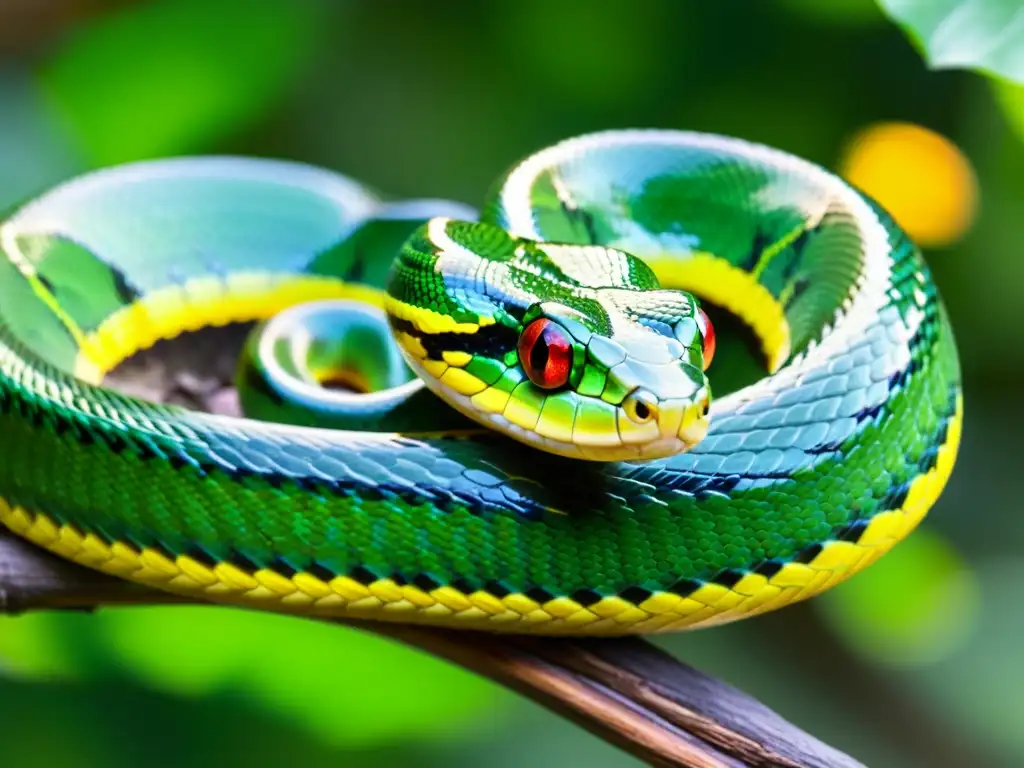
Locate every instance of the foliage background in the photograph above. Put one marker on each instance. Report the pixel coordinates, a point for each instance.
(917, 662)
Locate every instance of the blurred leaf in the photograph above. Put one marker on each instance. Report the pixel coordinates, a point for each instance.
(979, 689)
(1011, 99)
(915, 606)
(172, 76)
(987, 35)
(31, 645)
(347, 687)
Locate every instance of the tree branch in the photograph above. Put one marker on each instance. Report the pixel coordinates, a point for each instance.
(623, 690)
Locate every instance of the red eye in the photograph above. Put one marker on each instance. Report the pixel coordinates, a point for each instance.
(707, 332)
(545, 353)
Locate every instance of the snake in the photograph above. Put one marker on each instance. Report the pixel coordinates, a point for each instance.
(522, 435)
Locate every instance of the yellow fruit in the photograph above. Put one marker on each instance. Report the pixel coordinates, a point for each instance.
(920, 177)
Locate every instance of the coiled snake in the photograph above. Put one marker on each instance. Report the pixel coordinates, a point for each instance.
(557, 464)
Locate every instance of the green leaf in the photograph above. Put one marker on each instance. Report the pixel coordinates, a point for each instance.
(986, 35)
(174, 76)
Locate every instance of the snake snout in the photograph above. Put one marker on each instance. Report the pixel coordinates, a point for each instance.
(694, 427)
(683, 420)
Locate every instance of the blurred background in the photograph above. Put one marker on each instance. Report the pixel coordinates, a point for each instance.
(916, 662)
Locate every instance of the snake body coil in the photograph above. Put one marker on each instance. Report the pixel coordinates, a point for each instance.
(803, 477)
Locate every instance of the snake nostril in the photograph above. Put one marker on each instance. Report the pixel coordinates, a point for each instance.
(641, 407)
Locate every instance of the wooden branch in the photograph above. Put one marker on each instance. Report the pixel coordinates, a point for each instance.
(623, 690)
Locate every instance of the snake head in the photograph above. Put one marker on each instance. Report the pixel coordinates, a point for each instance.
(575, 350)
(623, 369)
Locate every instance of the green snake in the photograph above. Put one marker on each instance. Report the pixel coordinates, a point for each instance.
(535, 448)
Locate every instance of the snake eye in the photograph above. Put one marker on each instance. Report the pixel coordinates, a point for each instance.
(545, 352)
(707, 332)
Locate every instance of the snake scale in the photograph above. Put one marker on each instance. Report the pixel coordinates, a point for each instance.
(558, 463)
